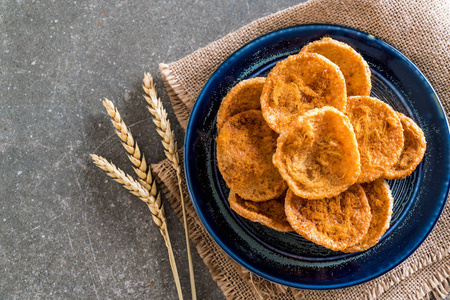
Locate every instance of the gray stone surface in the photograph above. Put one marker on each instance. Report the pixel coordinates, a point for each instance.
(66, 230)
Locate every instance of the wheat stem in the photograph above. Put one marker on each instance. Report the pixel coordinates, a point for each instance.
(162, 123)
(153, 200)
(134, 154)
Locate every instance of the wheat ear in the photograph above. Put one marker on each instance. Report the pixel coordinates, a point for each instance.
(153, 200)
(134, 154)
(171, 150)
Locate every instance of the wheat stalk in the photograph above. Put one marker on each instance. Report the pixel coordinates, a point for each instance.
(134, 154)
(161, 121)
(171, 150)
(153, 200)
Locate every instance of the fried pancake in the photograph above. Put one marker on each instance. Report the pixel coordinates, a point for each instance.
(242, 97)
(355, 69)
(269, 213)
(379, 133)
(318, 154)
(299, 83)
(380, 201)
(245, 147)
(336, 223)
(413, 150)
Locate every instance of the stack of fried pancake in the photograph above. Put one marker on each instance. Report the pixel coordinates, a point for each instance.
(306, 149)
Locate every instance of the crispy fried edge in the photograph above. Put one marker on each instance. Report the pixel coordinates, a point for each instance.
(222, 114)
(363, 177)
(283, 185)
(279, 161)
(268, 112)
(342, 45)
(330, 244)
(366, 244)
(256, 217)
(420, 139)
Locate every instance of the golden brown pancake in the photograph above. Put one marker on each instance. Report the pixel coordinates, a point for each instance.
(269, 213)
(379, 133)
(318, 154)
(299, 83)
(413, 150)
(380, 201)
(336, 223)
(242, 97)
(355, 69)
(245, 147)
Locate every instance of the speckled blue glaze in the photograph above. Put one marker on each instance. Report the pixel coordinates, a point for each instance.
(287, 258)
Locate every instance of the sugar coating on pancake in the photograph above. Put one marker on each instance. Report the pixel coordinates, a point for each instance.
(336, 223)
(269, 213)
(355, 69)
(413, 150)
(299, 83)
(379, 133)
(245, 147)
(318, 154)
(380, 201)
(242, 97)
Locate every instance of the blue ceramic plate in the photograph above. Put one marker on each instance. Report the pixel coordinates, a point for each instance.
(289, 259)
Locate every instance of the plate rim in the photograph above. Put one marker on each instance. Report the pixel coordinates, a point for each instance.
(187, 151)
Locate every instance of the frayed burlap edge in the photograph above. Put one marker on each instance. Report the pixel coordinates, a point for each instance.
(434, 283)
(177, 95)
(438, 285)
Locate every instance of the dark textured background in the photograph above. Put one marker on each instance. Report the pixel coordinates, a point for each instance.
(66, 230)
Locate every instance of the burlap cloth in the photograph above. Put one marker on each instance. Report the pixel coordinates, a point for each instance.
(421, 31)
